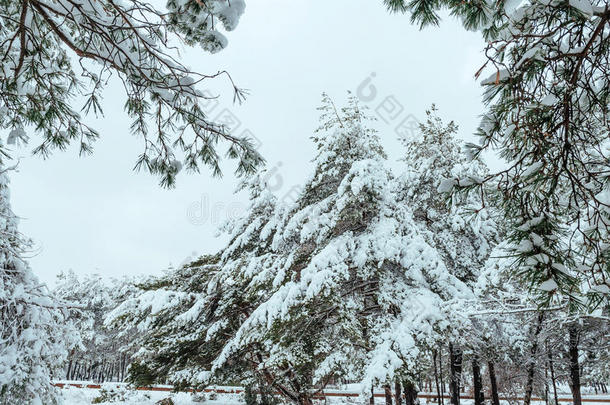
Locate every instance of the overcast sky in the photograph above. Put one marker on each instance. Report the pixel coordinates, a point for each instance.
(94, 214)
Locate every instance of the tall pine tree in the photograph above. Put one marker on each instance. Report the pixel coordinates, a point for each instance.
(338, 285)
(35, 334)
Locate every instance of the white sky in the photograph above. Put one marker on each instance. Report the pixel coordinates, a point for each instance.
(94, 214)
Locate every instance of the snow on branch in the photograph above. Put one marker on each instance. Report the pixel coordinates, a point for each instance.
(54, 51)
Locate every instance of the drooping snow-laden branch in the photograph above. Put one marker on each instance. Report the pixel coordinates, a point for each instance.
(547, 115)
(53, 51)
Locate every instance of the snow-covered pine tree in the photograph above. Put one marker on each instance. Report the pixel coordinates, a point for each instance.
(547, 111)
(547, 116)
(168, 342)
(56, 50)
(35, 335)
(186, 316)
(359, 291)
(460, 228)
(338, 285)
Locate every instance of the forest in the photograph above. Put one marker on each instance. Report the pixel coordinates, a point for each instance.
(465, 272)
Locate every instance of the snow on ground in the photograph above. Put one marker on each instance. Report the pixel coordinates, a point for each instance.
(82, 396)
(121, 395)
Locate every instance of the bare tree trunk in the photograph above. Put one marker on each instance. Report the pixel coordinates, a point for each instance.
(69, 369)
(372, 398)
(440, 369)
(495, 399)
(123, 361)
(531, 368)
(410, 392)
(388, 394)
(574, 365)
(553, 378)
(455, 358)
(397, 393)
(479, 396)
(438, 388)
(305, 400)
(546, 385)
(101, 372)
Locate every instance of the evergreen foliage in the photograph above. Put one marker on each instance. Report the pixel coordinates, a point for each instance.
(547, 102)
(57, 51)
(35, 333)
(341, 285)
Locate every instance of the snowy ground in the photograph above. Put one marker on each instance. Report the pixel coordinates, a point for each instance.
(123, 396)
(81, 396)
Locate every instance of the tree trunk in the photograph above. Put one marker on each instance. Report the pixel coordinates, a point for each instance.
(495, 399)
(531, 368)
(100, 373)
(574, 366)
(69, 369)
(305, 400)
(388, 394)
(372, 398)
(438, 388)
(123, 366)
(455, 358)
(547, 391)
(397, 393)
(477, 383)
(440, 370)
(410, 392)
(553, 379)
